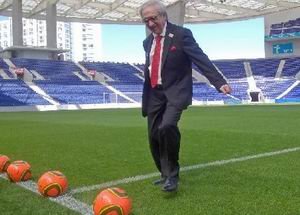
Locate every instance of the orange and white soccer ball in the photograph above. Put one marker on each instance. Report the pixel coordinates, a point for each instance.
(4, 162)
(112, 201)
(18, 171)
(52, 183)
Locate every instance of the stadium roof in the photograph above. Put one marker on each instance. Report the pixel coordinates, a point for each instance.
(126, 11)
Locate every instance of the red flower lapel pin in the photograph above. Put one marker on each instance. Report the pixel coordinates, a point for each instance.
(173, 48)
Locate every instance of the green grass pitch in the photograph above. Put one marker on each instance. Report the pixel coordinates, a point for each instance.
(97, 146)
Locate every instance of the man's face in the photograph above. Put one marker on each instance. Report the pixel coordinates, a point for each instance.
(153, 20)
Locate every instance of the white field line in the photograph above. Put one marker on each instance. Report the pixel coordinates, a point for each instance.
(70, 202)
(65, 200)
(183, 169)
(114, 183)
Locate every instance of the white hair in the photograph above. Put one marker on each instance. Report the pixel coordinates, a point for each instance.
(158, 4)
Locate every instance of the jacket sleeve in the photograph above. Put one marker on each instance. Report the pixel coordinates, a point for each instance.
(146, 83)
(200, 59)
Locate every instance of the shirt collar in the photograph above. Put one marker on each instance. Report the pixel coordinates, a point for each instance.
(163, 33)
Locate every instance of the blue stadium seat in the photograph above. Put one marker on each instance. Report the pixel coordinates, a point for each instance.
(16, 93)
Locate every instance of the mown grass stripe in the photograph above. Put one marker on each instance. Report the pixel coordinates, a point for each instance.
(70, 202)
(183, 169)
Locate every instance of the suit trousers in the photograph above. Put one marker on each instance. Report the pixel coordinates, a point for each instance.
(164, 135)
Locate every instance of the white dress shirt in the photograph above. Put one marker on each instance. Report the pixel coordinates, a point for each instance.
(161, 50)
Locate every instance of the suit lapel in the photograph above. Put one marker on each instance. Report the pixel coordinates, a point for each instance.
(148, 49)
(148, 43)
(167, 43)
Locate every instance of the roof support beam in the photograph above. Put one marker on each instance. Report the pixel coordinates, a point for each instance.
(279, 3)
(5, 5)
(17, 25)
(176, 13)
(51, 24)
(41, 7)
(118, 11)
(117, 4)
(112, 7)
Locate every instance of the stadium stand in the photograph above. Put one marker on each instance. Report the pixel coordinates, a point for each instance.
(119, 72)
(291, 67)
(231, 69)
(17, 93)
(74, 92)
(3, 65)
(264, 67)
(294, 94)
(66, 83)
(285, 29)
(4, 70)
(49, 69)
(273, 88)
(201, 91)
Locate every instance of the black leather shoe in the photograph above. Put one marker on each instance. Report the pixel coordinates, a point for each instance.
(170, 185)
(159, 181)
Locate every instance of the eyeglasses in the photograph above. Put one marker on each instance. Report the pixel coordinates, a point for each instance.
(152, 19)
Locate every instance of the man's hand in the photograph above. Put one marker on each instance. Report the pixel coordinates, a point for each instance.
(226, 89)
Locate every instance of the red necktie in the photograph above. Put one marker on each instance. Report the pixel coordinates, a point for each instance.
(155, 61)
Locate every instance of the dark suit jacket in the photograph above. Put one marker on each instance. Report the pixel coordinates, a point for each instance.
(179, 51)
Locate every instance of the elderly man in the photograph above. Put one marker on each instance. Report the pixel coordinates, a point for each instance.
(170, 51)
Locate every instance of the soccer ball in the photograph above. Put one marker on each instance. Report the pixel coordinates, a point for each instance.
(112, 201)
(18, 171)
(52, 183)
(4, 162)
